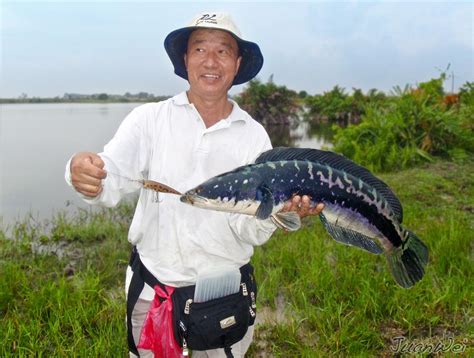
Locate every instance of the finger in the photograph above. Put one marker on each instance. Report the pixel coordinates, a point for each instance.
(99, 164)
(97, 161)
(92, 194)
(305, 206)
(295, 203)
(88, 187)
(89, 190)
(305, 201)
(87, 164)
(96, 167)
(317, 209)
(320, 208)
(85, 179)
(288, 206)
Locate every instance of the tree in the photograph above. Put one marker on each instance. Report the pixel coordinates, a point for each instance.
(302, 94)
(269, 103)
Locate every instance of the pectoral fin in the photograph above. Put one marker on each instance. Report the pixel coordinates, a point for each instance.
(265, 196)
(289, 220)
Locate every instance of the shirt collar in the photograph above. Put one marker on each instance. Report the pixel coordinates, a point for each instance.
(181, 99)
(237, 114)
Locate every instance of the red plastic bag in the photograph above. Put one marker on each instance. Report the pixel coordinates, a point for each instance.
(157, 333)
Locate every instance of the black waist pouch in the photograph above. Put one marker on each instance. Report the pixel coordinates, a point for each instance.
(217, 323)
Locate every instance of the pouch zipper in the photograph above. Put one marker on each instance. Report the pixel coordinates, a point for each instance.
(244, 289)
(251, 311)
(187, 306)
(185, 348)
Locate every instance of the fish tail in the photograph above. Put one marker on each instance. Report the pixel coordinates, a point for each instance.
(407, 262)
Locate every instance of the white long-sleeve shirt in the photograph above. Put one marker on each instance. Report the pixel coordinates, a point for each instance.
(168, 142)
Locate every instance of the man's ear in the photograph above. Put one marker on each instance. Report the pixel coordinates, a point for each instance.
(239, 59)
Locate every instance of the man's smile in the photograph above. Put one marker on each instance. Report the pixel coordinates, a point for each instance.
(211, 76)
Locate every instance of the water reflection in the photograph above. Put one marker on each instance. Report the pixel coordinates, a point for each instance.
(300, 134)
(323, 132)
(281, 134)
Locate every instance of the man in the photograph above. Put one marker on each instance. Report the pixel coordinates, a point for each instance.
(182, 142)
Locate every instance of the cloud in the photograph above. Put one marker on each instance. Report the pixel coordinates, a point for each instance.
(307, 45)
(416, 28)
(10, 20)
(369, 45)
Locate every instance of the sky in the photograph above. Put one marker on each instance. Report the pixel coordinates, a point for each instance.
(49, 48)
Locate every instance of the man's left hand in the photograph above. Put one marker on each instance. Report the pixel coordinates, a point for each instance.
(302, 206)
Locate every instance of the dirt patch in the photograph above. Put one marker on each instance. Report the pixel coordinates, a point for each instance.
(63, 250)
(267, 315)
(267, 318)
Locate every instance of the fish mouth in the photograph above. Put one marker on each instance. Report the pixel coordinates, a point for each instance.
(192, 198)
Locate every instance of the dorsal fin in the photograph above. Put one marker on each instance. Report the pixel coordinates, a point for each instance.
(336, 161)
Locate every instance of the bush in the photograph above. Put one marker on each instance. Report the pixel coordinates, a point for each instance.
(269, 103)
(466, 94)
(338, 107)
(410, 129)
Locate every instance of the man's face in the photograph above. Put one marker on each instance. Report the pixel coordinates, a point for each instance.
(212, 61)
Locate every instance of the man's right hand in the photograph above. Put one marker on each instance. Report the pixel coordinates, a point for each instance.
(87, 173)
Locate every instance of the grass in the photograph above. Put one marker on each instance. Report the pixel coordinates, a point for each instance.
(316, 297)
(68, 300)
(342, 301)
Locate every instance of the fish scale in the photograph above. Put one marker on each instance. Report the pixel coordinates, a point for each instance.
(331, 189)
(360, 210)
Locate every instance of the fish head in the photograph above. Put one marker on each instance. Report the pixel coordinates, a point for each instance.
(230, 193)
(194, 198)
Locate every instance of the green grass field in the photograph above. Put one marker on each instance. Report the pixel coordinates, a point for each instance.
(61, 286)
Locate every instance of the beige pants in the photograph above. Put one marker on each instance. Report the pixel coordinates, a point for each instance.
(138, 317)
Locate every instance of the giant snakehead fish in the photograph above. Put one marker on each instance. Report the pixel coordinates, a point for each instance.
(359, 209)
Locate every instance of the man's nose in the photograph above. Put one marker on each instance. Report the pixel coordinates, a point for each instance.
(211, 59)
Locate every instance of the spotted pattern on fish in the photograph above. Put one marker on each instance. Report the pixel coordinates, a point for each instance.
(338, 186)
(310, 170)
(297, 167)
(360, 209)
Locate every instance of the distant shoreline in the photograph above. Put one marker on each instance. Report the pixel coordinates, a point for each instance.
(53, 100)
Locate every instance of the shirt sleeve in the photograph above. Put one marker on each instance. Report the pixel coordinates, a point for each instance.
(248, 228)
(125, 158)
(251, 230)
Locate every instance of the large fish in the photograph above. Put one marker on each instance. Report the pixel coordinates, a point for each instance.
(359, 209)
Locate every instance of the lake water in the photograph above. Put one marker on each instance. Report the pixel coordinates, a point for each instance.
(36, 141)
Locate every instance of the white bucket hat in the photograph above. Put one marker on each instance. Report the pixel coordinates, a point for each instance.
(176, 44)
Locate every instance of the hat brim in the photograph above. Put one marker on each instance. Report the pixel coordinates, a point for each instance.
(176, 44)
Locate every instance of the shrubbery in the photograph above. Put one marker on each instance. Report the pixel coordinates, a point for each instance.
(269, 103)
(415, 125)
(379, 131)
(340, 108)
